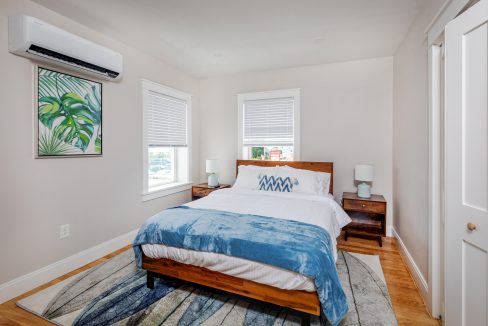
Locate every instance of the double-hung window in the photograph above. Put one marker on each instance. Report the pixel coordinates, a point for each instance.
(269, 125)
(166, 119)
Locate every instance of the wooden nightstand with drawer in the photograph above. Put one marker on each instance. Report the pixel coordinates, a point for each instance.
(202, 190)
(368, 215)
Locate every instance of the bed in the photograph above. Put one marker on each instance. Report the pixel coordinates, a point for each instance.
(257, 278)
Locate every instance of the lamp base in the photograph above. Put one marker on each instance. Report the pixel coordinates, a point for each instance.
(213, 180)
(364, 190)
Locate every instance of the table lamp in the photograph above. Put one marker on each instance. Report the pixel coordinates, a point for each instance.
(364, 173)
(212, 168)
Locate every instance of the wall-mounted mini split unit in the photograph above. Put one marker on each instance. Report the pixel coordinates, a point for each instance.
(32, 38)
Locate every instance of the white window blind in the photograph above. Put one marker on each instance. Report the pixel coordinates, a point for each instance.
(268, 122)
(166, 120)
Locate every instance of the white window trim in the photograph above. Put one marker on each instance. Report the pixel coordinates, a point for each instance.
(166, 190)
(293, 92)
(175, 187)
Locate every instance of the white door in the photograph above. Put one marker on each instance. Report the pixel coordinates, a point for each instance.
(466, 162)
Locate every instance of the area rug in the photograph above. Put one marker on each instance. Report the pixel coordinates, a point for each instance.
(115, 293)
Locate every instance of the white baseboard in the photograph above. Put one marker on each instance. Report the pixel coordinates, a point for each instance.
(27, 282)
(419, 279)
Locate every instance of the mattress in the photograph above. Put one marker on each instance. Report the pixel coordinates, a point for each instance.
(322, 211)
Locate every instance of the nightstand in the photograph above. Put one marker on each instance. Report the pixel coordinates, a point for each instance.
(368, 215)
(202, 190)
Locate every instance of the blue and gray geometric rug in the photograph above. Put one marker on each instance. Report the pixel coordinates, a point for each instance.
(115, 293)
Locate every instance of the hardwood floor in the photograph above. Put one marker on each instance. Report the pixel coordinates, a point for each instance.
(12, 315)
(408, 305)
(407, 302)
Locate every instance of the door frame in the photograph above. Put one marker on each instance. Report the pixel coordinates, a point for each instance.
(435, 302)
(435, 40)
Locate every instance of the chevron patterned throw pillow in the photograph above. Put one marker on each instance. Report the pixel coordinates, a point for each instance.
(274, 183)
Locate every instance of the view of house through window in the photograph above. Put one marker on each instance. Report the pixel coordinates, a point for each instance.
(273, 153)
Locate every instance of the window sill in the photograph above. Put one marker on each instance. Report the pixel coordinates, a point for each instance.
(166, 190)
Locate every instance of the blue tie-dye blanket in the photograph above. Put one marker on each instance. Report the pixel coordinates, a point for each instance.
(295, 246)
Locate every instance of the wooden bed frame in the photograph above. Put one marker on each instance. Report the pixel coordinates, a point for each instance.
(307, 303)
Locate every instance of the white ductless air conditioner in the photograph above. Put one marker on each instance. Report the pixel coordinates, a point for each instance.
(32, 38)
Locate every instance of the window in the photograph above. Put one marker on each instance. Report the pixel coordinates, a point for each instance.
(166, 119)
(269, 124)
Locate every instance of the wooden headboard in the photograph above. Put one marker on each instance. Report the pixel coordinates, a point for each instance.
(312, 166)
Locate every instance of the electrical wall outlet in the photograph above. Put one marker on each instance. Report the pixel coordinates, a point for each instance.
(64, 231)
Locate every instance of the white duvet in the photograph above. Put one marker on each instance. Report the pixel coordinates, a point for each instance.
(322, 211)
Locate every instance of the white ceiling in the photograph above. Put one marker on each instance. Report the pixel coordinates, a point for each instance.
(216, 37)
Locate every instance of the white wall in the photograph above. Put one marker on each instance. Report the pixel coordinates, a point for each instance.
(99, 197)
(411, 138)
(346, 118)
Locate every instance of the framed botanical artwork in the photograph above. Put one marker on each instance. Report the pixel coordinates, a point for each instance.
(69, 115)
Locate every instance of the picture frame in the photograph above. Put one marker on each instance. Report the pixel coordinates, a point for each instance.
(68, 115)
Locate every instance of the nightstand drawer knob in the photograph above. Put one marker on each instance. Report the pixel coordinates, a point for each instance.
(364, 205)
(471, 226)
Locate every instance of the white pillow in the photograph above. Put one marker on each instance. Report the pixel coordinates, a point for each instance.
(248, 176)
(311, 182)
(301, 183)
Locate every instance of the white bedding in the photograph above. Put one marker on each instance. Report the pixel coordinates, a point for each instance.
(322, 211)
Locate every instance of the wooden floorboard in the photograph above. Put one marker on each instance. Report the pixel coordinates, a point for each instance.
(10, 314)
(407, 303)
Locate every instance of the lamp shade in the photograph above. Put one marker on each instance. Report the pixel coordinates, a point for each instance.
(363, 172)
(212, 166)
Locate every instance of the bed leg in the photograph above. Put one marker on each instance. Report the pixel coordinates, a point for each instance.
(306, 320)
(150, 280)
